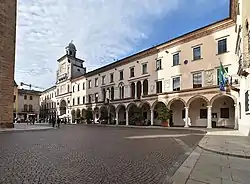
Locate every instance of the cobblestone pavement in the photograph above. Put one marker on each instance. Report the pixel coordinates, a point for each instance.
(81, 154)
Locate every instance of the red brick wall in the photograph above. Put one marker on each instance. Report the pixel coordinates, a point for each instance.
(7, 60)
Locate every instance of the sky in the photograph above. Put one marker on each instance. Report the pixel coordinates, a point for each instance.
(102, 30)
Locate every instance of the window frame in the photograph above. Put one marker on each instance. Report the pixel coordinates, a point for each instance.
(196, 57)
(198, 85)
(111, 76)
(96, 82)
(89, 84)
(144, 66)
(132, 72)
(173, 80)
(121, 75)
(174, 59)
(222, 48)
(158, 64)
(159, 87)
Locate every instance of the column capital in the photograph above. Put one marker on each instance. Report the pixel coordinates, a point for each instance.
(235, 105)
(186, 107)
(209, 106)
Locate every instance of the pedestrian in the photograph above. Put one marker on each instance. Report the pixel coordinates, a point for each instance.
(58, 122)
(53, 121)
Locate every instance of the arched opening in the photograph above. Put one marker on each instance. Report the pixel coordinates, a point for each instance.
(112, 115)
(62, 107)
(96, 115)
(121, 90)
(146, 113)
(178, 113)
(78, 115)
(104, 115)
(112, 93)
(83, 114)
(138, 89)
(157, 106)
(223, 112)
(73, 115)
(132, 86)
(89, 115)
(145, 87)
(103, 94)
(198, 111)
(121, 109)
(134, 114)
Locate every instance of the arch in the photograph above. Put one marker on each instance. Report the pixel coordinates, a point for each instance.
(156, 102)
(221, 95)
(119, 107)
(145, 87)
(176, 99)
(130, 105)
(196, 97)
(144, 103)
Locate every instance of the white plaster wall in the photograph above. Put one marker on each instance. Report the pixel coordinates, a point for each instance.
(194, 113)
(224, 102)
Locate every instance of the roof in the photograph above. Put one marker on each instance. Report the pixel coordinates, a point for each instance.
(49, 89)
(29, 92)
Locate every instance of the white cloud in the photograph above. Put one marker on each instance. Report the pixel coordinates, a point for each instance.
(101, 30)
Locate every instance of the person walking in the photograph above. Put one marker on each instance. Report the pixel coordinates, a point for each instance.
(53, 121)
(58, 122)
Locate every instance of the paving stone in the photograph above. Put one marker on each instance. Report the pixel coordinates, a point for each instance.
(241, 176)
(82, 154)
(190, 181)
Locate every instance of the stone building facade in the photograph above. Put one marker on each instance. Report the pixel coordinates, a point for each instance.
(7, 60)
(181, 74)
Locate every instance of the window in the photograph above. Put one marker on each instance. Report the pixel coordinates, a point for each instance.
(78, 100)
(197, 80)
(176, 83)
(96, 82)
(203, 113)
(89, 83)
(121, 75)
(224, 113)
(103, 79)
(25, 97)
(247, 101)
(218, 75)
(83, 100)
(158, 64)
(121, 91)
(25, 108)
(222, 46)
(132, 72)
(73, 101)
(196, 53)
(14, 98)
(78, 87)
(73, 89)
(83, 86)
(112, 93)
(176, 59)
(31, 97)
(144, 68)
(159, 87)
(30, 108)
(89, 98)
(111, 77)
(96, 97)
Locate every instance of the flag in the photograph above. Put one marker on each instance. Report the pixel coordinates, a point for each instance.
(223, 77)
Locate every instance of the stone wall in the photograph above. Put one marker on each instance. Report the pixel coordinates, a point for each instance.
(7, 60)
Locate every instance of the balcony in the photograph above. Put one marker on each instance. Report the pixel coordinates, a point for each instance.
(62, 77)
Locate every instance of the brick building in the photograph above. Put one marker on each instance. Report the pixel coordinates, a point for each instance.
(7, 60)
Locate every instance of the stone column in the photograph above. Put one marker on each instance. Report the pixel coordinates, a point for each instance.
(186, 117)
(152, 116)
(209, 116)
(126, 117)
(236, 117)
(135, 90)
(117, 117)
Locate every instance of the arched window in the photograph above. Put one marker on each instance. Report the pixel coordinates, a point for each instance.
(121, 90)
(25, 108)
(145, 87)
(132, 87)
(30, 108)
(112, 93)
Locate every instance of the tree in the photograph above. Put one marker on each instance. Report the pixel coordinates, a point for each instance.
(164, 114)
